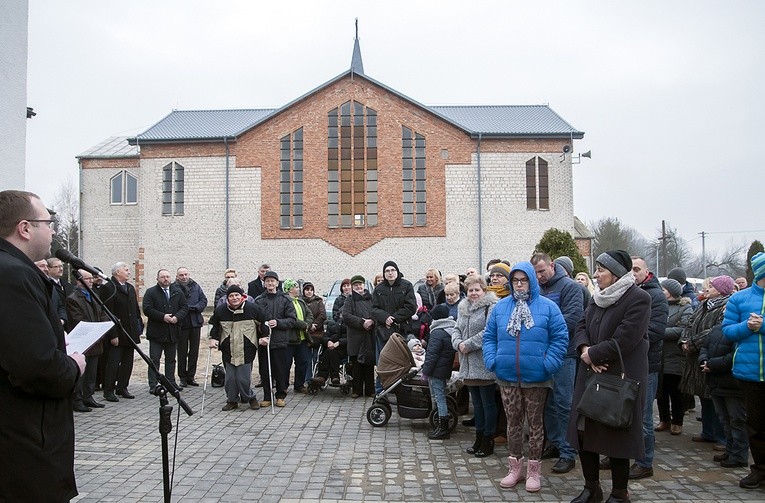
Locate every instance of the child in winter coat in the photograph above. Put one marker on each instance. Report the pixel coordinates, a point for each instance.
(418, 352)
(439, 359)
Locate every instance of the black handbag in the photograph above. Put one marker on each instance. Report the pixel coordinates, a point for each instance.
(218, 377)
(609, 399)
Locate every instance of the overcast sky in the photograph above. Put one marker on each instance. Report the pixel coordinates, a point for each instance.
(669, 94)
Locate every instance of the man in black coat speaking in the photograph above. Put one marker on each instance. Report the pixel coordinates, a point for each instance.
(37, 377)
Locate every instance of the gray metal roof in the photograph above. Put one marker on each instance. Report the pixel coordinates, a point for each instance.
(116, 146)
(196, 125)
(510, 120)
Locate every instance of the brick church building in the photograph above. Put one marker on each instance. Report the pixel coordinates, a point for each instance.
(334, 183)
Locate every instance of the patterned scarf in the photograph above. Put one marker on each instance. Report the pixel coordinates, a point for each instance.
(610, 294)
(521, 314)
(716, 302)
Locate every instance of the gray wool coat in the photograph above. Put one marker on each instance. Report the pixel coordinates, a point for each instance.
(471, 323)
(673, 358)
(625, 323)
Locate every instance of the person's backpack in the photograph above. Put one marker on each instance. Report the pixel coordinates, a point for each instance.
(218, 377)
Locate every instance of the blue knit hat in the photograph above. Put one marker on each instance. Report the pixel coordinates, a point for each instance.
(758, 266)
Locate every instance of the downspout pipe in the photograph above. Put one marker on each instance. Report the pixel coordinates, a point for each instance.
(480, 207)
(228, 258)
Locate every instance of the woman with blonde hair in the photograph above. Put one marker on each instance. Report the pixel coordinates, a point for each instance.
(584, 279)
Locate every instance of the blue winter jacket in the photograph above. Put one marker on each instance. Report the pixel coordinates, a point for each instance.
(567, 295)
(537, 353)
(749, 358)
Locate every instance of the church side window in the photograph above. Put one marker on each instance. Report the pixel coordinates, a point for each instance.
(291, 181)
(172, 189)
(123, 189)
(537, 185)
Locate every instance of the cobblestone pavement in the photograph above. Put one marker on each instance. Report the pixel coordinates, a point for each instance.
(321, 448)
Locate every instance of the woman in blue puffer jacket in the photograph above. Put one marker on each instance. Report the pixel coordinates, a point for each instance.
(524, 344)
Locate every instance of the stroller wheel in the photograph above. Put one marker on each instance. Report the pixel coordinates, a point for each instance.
(378, 415)
(453, 417)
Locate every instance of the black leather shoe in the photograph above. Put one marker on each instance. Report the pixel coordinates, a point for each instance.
(93, 404)
(640, 472)
(614, 499)
(550, 452)
(564, 465)
(80, 407)
(733, 464)
(109, 396)
(192, 383)
(589, 495)
(754, 480)
(468, 422)
(182, 384)
(125, 394)
(720, 457)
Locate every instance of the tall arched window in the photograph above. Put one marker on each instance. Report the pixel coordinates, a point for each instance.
(537, 184)
(172, 189)
(123, 189)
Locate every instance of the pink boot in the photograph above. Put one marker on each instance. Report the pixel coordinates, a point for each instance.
(514, 475)
(534, 478)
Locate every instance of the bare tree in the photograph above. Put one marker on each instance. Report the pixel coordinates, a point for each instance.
(729, 261)
(679, 253)
(611, 234)
(66, 204)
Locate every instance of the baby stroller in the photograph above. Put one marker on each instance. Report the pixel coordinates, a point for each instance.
(345, 379)
(400, 377)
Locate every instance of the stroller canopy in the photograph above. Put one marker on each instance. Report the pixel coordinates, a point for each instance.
(395, 360)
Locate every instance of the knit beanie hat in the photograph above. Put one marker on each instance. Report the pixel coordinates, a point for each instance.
(678, 275)
(308, 285)
(502, 269)
(289, 284)
(616, 261)
(389, 264)
(674, 288)
(566, 263)
(758, 266)
(439, 312)
(357, 279)
(413, 343)
(234, 289)
(723, 284)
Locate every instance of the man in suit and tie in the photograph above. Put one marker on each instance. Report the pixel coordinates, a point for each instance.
(120, 298)
(165, 306)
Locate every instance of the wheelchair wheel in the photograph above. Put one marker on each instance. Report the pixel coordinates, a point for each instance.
(345, 389)
(312, 390)
(378, 415)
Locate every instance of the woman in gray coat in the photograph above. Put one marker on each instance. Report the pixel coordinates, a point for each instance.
(467, 340)
(618, 314)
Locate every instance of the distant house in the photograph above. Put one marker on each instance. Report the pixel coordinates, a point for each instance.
(334, 183)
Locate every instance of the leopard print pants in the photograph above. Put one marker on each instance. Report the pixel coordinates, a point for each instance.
(529, 403)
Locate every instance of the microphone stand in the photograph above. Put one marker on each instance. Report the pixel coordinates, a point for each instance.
(164, 386)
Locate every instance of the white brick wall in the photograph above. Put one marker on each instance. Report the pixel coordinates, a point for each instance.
(197, 239)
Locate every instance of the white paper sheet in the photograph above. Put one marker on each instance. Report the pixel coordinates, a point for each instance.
(85, 334)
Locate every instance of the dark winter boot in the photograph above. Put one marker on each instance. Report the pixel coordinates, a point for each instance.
(486, 448)
(442, 429)
(476, 444)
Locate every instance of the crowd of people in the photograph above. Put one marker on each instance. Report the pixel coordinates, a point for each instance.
(525, 340)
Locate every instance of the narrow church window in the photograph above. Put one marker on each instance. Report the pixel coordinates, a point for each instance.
(291, 181)
(124, 188)
(172, 189)
(351, 166)
(413, 178)
(537, 184)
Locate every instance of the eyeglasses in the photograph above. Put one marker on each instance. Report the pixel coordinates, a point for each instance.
(49, 221)
(519, 281)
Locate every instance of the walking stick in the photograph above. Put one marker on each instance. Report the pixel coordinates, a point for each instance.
(270, 379)
(204, 388)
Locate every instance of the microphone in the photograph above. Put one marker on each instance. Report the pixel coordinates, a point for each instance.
(77, 263)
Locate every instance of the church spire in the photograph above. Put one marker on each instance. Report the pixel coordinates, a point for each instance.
(357, 66)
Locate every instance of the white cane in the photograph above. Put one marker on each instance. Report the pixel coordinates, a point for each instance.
(204, 388)
(270, 379)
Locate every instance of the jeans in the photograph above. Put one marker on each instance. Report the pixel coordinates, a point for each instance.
(438, 394)
(484, 408)
(238, 381)
(558, 408)
(648, 435)
(711, 429)
(732, 414)
(301, 354)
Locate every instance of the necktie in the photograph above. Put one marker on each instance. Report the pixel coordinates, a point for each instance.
(167, 293)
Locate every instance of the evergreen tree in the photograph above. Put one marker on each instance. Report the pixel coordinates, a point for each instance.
(557, 243)
(755, 248)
